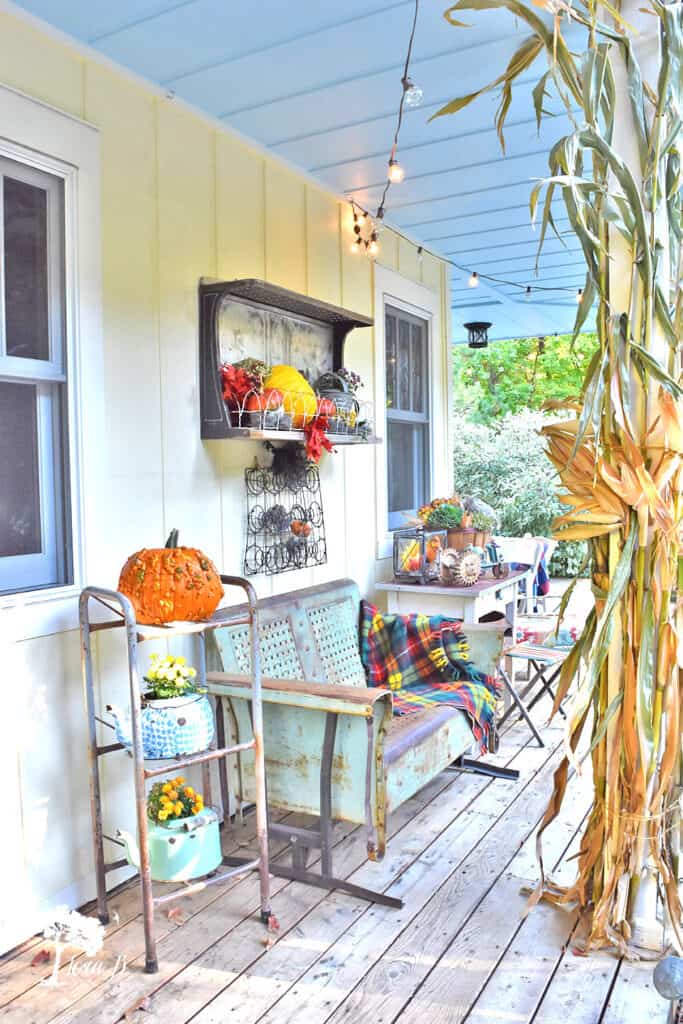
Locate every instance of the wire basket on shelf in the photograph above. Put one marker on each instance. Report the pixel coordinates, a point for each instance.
(295, 410)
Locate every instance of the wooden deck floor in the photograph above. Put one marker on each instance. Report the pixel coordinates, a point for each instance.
(459, 854)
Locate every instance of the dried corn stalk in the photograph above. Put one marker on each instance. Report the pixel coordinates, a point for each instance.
(619, 456)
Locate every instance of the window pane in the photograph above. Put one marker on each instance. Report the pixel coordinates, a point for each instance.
(403, 364)
(417, 368)
(400, 466)
(407, 468)
(26, 279)
(19, 476)
(391, 360)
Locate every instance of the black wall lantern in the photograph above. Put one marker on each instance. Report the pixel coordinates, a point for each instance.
(477, 334)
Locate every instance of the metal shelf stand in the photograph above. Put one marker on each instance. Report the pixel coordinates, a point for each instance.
(123, 616)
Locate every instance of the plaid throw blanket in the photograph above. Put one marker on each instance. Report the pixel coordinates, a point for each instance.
(423, 660)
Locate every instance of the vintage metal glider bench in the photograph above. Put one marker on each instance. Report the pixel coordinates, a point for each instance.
(332, 748)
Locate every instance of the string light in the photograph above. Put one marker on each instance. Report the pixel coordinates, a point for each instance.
(366, 227)
(396, 173)
(413, 93)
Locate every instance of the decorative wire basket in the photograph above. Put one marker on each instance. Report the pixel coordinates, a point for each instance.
(285, 522)
(297, 409)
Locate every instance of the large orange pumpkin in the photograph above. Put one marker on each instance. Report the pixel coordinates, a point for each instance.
(171, 584)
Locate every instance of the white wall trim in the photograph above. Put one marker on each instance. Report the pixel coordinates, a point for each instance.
(394, 289)
(35, 134)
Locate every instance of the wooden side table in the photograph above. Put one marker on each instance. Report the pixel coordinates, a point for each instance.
(468, 604)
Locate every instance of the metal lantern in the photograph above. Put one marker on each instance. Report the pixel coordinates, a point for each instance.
(477, 334)
(417, 554)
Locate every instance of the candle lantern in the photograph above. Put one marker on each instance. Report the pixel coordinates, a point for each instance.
(417, 554)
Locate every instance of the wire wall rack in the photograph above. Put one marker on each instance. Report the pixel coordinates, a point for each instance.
(285, 527)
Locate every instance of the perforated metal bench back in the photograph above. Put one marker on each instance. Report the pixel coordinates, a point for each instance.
(309, 634)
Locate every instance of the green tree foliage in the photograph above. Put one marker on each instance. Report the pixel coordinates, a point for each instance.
(523, 373)
(503, 461)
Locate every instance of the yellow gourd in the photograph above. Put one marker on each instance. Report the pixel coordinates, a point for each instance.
(298, 397)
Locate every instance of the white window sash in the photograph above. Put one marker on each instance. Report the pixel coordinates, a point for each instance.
(52, 185)
(405, 295)
(39, 136)
(46, 567)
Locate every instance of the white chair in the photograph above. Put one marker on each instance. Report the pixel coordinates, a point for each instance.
(527, 551)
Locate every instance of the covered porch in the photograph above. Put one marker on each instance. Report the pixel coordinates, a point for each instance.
(238, 249)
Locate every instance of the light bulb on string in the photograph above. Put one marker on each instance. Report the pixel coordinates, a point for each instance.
(373, 247)
(579, 295)
(527, 293)
(396, 174)
(474, 280)
(413, 93)
(355, 246)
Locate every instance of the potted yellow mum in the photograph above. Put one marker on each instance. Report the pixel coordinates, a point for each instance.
(183, 835)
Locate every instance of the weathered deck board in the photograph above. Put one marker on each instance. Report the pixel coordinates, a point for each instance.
(462, 970)
(524, 971)
(440, 887)
(16, 973)
(201, 981)
(137, 985)
(579, 989)
(460, 950)
(634, 996)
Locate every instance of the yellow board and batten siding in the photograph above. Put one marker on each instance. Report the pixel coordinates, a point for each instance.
(182, 199)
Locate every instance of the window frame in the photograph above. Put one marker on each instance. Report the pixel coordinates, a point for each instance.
(397, 519)
(49, 378)
(39, 137)
(393, 289)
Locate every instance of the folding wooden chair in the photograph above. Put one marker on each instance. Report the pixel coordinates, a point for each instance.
(545, 664)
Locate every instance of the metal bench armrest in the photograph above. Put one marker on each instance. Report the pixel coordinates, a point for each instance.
(348, 700)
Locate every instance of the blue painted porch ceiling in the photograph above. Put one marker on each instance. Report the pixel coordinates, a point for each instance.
(319, 83)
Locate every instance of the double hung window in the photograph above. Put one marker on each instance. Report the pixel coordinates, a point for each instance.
(35, 541)
(407, 414)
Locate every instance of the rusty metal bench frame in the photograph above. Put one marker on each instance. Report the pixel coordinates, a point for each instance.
(326, 743)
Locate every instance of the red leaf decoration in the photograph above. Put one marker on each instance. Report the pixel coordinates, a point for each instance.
(316, 438)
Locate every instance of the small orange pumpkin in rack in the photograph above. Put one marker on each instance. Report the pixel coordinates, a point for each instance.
(171, 584)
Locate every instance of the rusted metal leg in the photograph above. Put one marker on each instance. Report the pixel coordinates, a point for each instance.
(300, 852)
(369, 824)
(93, 765)
(151, 963)
(260, 794)
(326, 793)
(223, 762)
(206, 767)
(239, 802)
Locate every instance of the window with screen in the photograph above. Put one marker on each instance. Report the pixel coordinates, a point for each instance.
(34, 536)
(407, 415)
